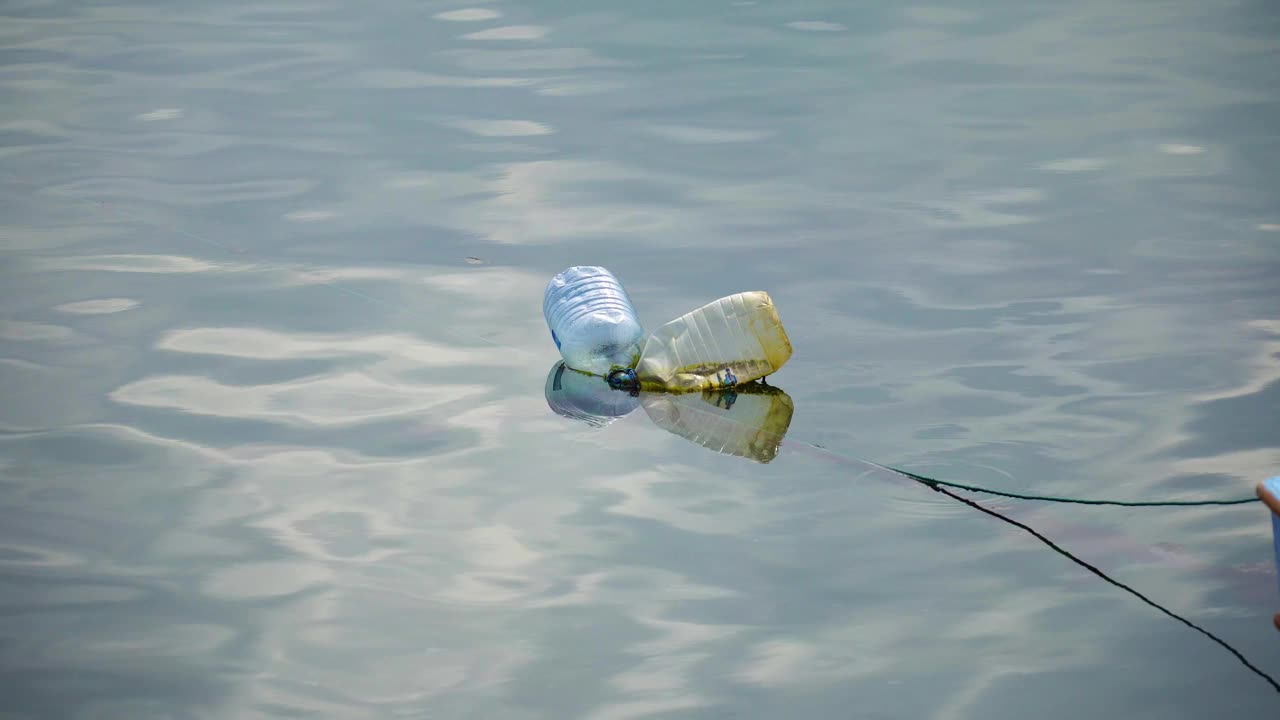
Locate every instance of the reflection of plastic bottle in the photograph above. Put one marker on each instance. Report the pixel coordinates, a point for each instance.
(735, 339)
(592, 321)
(586, 397)
(749, 422)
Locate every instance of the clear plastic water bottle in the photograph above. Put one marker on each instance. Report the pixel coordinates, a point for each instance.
(592, 320)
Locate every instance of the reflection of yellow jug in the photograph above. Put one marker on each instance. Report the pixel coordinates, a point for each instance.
(749, 421)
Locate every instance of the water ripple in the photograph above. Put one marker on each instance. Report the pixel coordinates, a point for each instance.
(340, 399)
(266, 426)
(264, 580)
(103, 306)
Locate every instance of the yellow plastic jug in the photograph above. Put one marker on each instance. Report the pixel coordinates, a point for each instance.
(731, 341)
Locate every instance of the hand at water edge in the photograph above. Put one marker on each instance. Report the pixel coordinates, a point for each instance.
(1269, 493)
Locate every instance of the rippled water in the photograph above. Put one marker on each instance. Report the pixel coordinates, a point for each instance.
(273, 434)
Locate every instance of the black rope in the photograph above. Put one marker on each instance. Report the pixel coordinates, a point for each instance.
(934, 483)
(1056, 548)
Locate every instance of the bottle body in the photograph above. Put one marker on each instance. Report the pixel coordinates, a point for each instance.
(592, 320)
(735, 339)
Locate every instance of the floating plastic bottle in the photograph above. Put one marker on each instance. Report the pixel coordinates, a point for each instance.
(586, 398)
(592, 320)
(733, 340)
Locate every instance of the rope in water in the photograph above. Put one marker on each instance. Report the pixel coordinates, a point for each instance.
(935, 483)
(1112, 581)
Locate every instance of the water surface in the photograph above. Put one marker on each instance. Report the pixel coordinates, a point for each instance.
(273, 433)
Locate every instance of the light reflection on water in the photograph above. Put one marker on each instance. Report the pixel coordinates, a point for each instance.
(271, 441)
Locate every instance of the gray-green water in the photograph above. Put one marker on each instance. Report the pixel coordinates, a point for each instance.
(273, 439)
